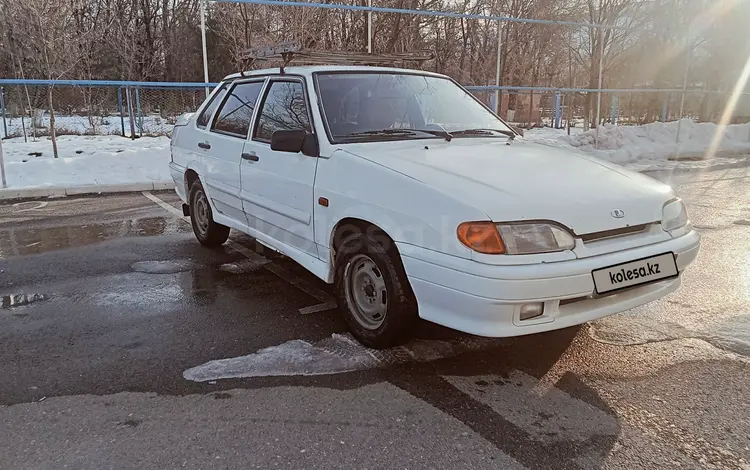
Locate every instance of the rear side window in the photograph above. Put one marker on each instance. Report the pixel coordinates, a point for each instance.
(208, 111)
(284, 109)
(235, 115)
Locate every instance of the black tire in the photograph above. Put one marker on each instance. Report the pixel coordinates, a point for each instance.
(208, 232)
(400, 315)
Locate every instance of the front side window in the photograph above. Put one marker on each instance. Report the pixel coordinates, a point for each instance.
(363, 106)
(284, 109)
(208, 111)
(236, 113)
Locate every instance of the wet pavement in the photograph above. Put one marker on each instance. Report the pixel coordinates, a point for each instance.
(126, 344)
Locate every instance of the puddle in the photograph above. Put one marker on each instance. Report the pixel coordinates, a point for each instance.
(336, 354)
(163, 267)
(244, 266)
(733, 334)
(19, 300)
(631, 330)
(24, 241)
(148, 299)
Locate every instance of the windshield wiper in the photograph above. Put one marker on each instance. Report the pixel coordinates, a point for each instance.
(388, 132)
(510, 134)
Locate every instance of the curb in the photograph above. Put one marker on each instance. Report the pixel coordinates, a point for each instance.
(34, 193)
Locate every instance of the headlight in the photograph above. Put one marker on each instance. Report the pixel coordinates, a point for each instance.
(674, 215)
(524, 239)
(514, 238)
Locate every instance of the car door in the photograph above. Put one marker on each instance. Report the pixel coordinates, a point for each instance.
(277, 187)
(223, 145)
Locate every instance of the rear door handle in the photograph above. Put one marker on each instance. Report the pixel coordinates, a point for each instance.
(204, 145)
(250, 156)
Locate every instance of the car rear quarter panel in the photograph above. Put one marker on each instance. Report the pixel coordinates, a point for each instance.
(184, 139)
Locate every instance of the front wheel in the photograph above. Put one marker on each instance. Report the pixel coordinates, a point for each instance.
(373, 293)
(208, 232)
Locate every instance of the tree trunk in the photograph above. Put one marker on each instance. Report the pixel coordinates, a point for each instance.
(52, 124)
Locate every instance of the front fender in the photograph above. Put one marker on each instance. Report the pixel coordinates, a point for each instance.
(409, 211)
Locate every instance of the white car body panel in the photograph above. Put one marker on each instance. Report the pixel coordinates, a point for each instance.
(221, 175)
(526, 181)
(419, 191)
(277, 192)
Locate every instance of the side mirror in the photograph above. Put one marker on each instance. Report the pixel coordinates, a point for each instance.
(295, 141)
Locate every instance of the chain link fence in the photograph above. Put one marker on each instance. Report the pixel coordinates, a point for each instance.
(95, 110)
(557, 108)
(134, 109)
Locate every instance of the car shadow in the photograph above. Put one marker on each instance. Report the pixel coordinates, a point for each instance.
(499, 395)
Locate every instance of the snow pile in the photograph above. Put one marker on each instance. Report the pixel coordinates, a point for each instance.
(86, 160)
(651, 146)
(335, 354)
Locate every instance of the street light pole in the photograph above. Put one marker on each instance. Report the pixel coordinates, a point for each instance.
(684, 86)
(599, 93)
(497, 66)
(203, 43)
(369, 27)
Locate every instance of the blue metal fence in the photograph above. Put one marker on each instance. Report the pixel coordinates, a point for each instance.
(102, 107)
(95, 106)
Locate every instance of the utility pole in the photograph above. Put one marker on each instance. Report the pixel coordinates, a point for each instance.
(601, 73)
(203, 43)
(497, 66)
(369, 27)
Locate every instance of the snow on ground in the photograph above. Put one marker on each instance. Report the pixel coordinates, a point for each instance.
(86, 160)
(651, 146)
(109, 159)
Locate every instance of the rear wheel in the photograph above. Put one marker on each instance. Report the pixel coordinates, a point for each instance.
(208, 232)
(373, 292)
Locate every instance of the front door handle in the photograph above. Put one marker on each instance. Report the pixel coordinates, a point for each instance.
(204, 145)
(252, 156)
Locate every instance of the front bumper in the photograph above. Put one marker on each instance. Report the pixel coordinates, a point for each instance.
(485, 299)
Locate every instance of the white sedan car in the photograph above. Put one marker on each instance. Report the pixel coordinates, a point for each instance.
(415, 200)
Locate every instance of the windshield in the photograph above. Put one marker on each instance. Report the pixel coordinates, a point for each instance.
(392, 106)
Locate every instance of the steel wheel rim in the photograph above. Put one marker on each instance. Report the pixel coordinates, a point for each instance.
(200, 212)
(366, 292)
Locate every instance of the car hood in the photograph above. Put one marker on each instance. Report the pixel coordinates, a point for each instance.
(526, 181)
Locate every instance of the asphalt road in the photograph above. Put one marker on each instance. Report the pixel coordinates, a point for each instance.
(112, 315)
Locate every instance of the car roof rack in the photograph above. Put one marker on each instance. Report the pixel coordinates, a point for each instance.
(287, 52)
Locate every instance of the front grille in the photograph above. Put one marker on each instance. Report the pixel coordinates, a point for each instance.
(618, 232)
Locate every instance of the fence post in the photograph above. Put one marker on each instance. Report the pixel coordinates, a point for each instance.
(664, 108)
(2, 112)
(2, 166)
(131, 118)
(558, 110)
(139, 114)
(614, 108)
(119, 105)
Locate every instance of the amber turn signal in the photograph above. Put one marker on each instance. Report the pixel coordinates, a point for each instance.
(482, 237)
